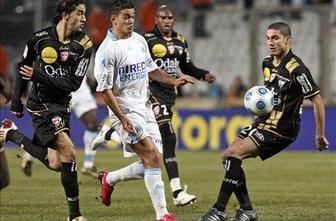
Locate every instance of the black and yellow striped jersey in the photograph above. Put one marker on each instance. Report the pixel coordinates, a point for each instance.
(58, 68)
(172, 55)
(291, 83)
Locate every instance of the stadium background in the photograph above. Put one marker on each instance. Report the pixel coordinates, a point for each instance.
(232, 46)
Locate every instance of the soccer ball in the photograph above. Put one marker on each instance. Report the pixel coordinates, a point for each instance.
(259, 100)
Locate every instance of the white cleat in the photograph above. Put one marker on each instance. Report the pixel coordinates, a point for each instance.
(115, 137)
(7, 125)
(79, 218)
(184, 198)
(100, 138)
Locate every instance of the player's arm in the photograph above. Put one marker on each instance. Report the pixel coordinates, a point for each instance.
(69, 82)
(112, 103)
(188, 67)
(319, 114)
(20, 85)
(104, 74)
(160, 75)
(312, 92)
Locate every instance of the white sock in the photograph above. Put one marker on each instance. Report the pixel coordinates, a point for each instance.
(27, 156)
(89, 153)
(134, 171)
(155, 188)
(175, 184)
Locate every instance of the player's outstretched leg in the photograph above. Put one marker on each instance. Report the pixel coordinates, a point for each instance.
(134, 171)
(180, 196)
(9, 132)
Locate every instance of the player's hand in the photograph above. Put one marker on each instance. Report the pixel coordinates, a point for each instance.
(210, 78)
(16, 108)
(127, 125)
(185, 79)
(17, 114)
(322, 143)
(26, 72)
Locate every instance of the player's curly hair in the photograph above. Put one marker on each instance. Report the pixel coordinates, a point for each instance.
(115, 6)
(66, 6)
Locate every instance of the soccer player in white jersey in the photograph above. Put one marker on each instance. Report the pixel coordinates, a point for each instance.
(123, 66)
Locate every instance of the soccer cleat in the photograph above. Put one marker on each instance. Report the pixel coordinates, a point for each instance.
(214, 215)
(26, 167)
(100, 138)
(168, 217)
(92, 171)
(79, 218)
(7, 125)
(184, 198)
(106, 189)
(245, 215)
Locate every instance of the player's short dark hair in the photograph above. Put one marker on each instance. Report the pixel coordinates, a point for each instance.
(163, 8)
(282, 27)
(116, 6)
(66, 6)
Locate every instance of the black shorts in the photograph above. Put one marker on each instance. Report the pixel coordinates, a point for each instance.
(268, 143)
(48, 123)
(162, 111)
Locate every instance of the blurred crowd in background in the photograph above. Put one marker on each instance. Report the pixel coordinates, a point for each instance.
(20, 18)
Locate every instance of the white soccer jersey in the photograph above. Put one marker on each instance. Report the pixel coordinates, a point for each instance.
(123, 65)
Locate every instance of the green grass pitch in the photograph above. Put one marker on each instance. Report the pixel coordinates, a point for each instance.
(293, 186)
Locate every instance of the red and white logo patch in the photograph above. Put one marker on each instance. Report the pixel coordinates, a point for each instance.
(64, 55)
(57, 121)
(171, 49)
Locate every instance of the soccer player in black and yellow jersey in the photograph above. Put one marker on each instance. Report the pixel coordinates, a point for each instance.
(291, 82)
(55, 60)
(170, 51)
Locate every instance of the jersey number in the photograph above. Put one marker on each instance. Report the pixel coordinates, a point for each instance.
(82, 66)
(305, 84)
(164, 110)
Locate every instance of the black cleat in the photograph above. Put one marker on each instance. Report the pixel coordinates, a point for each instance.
(214, 215)
(245, 215)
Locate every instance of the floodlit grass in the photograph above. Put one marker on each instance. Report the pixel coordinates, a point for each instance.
(293, 186)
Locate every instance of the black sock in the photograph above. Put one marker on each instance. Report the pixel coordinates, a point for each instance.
(168, 146)
(231, 179)
(171, 167)
(242, 194)
(109, 133)
(70, 185)
(39, 152)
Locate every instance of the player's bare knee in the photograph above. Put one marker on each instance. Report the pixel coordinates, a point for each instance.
(229, 152)
(153, 159)
(55, 164)
(67, 152)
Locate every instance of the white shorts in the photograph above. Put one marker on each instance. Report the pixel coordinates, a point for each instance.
(145, 126)
(82, 100)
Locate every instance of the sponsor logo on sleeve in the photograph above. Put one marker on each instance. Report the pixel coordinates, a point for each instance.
(49, 55)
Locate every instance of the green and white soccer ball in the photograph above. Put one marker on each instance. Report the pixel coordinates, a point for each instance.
(259, 100)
